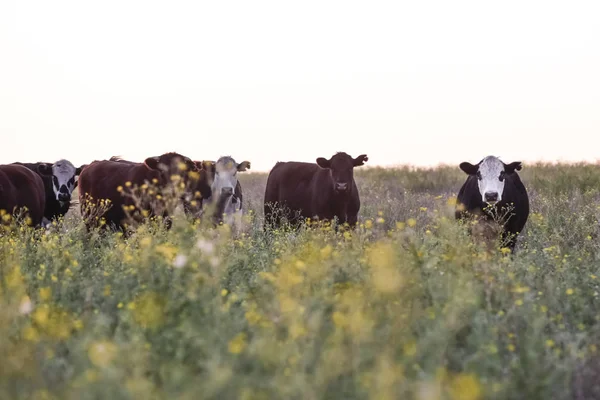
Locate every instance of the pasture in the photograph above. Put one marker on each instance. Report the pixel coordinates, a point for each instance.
(405, 307)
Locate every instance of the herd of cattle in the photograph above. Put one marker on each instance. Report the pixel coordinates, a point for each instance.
(295, 190)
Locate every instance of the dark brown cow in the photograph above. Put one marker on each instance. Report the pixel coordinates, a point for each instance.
(20, 187)
(110, 179)
(298, 190)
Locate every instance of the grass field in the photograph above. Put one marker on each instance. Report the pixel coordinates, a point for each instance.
(405, 307)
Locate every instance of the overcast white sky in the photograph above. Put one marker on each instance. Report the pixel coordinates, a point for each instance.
(417, 82)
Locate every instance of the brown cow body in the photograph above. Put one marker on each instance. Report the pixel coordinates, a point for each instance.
(21, 187)
(108, 180)
(298, 190)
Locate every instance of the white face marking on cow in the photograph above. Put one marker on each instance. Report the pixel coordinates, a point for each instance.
(225, 181)
(490, 179)
(63, 180)
(225, 176)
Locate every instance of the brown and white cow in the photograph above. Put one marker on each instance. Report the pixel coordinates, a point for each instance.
(111, 180)
(324, 191)
(20, 187)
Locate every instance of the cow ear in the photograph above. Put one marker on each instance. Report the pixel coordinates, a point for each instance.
(208, 165)
(244, 165)
(45, 169)
(468, 168)
(360, 160)
(510, 168)
(152, 162)
(191, 165)
(323, 163)
(79, 169)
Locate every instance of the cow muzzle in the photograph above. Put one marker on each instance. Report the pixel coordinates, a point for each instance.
(491, 197)
(227, 191)
(64, 197)
(341, 187)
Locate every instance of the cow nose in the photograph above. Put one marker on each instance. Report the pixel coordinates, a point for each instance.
(491, 196)
(64, 196)
(341, 186)
(227, 191)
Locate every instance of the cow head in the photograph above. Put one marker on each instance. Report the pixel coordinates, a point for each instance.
(491, 173)
(170, 164)
(194, 179)
(341, 167)
(64, 178)
(224, 174)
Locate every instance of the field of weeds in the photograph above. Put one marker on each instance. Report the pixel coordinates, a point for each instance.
(405, 307)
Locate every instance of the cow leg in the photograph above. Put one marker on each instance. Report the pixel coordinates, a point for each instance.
(45, 223)
(352, 220)
(510, 240)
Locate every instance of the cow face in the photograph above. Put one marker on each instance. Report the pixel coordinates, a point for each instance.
(224, 173)
(64, 178)
(341, 167)
(491, 173)
(170, 164)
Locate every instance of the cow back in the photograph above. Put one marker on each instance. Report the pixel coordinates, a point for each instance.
(104, 180)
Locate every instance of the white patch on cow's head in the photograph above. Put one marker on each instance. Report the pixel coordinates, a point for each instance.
(64, 180)
(225, 180)
(490, 179)
(491, 174)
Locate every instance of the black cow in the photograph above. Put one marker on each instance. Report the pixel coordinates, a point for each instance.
(298, 190)
(21, 187)
(494, 192)
(60, 179)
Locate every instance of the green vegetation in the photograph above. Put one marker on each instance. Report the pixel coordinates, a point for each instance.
(406, 307)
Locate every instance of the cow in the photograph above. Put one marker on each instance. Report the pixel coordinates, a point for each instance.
(20, 187)
(226, 188)
(494, 193)
(113, 179)
(60, 179)
(324, 191)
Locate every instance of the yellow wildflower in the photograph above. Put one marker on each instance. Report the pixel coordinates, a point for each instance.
(465, 387)
(237, 344)
(149, 310)
(386, 277)
(45, 293)
(102, 353)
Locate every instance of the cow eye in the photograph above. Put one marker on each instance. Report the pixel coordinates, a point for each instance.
(478, 175)
(55, 180)
(501, 178)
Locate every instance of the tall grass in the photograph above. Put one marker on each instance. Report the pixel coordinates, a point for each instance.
(407, 306)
